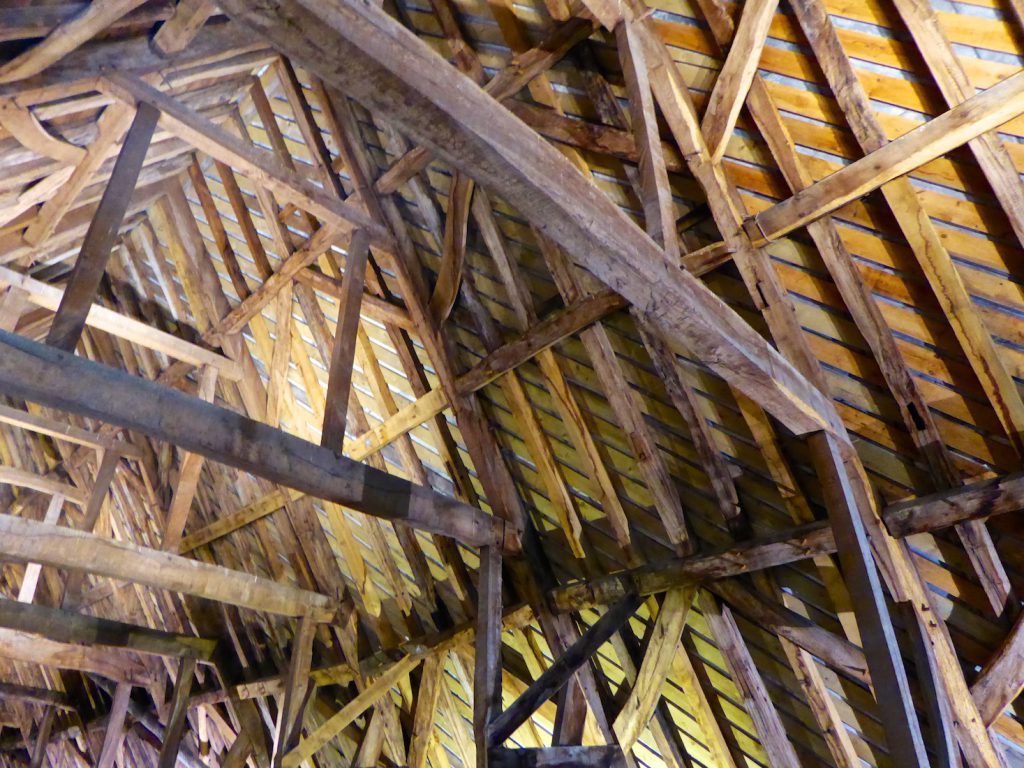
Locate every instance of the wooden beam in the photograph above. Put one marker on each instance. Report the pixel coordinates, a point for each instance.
(643, 697)
(339, 378)
(33, 649)
(42, 696)
(115, 733)
(49, 297)
(90, 517)
(487, 666)
(655, 190)
(42, 738)
(289, 715)
(367, 698)
(515, 75)
(261, 166)
(58, 380)
(79, 629)
(372, 306)
(176, 719)
(744, 672)
(561, 671)
(112, 125)
(28, 541)
(65, 431)
(520, 167)
(425, 716)
(65, 38)
(533, 342)
(188, 475)
(977, 501)
(26, 128)
(736, 76)
(25, 479)
(891, 687)
(1002, 678)
(30, 580)
(76, 302)
(981, 113)
(177, 32)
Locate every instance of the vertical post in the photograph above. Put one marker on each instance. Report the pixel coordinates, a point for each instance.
(179, 708)
(289, 716)
(78, 297)
(487, 672)
(892, 690)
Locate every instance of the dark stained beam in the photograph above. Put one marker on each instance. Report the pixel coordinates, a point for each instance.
(43, 696)
(69, 322)
(179, 708)
(56, 379)
(562, 670)
(70, 627)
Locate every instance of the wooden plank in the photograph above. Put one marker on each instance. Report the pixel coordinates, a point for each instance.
(79, 629)
(115, 733)
(175, 728)
(736, 76)
(643, 697)
(50, 377)
(561, 671)
(353, 709)
(49, 297)
(65, 38)
(261, 166)
(76, 302)
(27, 541)
(520, 168)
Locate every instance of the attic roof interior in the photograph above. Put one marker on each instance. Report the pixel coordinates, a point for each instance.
(490, 383)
